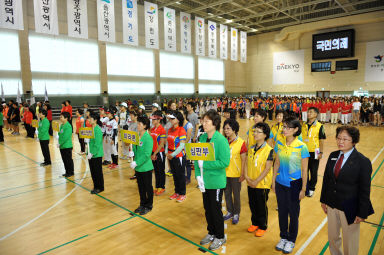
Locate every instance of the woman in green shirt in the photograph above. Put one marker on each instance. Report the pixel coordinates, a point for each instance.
(95, 154)
(43, 135)
(212, 179)
(65, 144)
(143, 166)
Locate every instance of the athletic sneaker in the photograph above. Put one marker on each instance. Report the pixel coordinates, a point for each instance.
(228, 216)
(174, 196)
(139, 209)
(310, 193)
(235, 219)
(252, 228)
(288, 247)
(181, 198)
(145, 211)
(207, 239)
(260, 232)
(133, 177)
(169, 173)
(113, 166)
(160, 191)
(217, 243)
(281, 244)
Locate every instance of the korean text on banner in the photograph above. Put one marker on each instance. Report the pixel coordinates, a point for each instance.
(130, 24)
(200, 36)
(77, 18)
(106, 20)
(243, 47)
(200, 151)
(234, 46)
(11, 14)
(169, 29)
(46, 21)
(128, 136)
(223, 42)
(86, 133)
(151, 25)
(212, 38)
(185, 32)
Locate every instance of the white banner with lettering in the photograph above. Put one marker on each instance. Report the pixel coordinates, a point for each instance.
(223, 41)
(234, 44)
(130, 24)
(243, 47)
(151, 25)
(212, 39)
(11, 14)
(185, 32)
(77, 18)
(288, 67)
(106, 20)
(200, 36)
(46, 17)
(169, 29)
(374, 62)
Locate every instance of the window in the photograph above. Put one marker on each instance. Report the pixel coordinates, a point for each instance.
(176, 88)
(64, 65)
(10, 62)
(131, 70)
(176, 66)
(211, 88)
(211, 69)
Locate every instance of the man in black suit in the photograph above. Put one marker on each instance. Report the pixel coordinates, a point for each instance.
(345, 195)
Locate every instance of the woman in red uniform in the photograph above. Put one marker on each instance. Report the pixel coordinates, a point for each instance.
(175, 145)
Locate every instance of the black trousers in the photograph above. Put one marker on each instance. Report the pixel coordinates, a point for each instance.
(66, 155)
(178, 170)
(1, 134)
(96, 167)
(159, 166)
(44, 144)
(288, 208)
(313, 167)
(212, 205)
(50, 131)
(82, 143)
(30, 130)
(258, 204)
(144, 182)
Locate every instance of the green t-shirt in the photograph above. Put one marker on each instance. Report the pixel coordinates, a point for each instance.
(96, 144)
(65, 136)
(43, 129)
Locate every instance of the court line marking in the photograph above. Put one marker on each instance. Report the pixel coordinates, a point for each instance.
(317, 230)
(149, 221)
(43, 213)
(79, 238)
(376, 236)
(6, 146)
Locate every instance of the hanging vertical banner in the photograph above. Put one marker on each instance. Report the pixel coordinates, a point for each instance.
(169, 29)
(223, 42)
(243, 47)
(212, 28)
(233, 44)
(46, 17)
(185, 32)
(77, 18)
(11, 14)
(106, 20)
(130, 25)
(151, 25)
(200, 36)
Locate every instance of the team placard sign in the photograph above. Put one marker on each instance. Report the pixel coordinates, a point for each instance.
(130, 137)
(200, 151)
(35, 123)
(86, 133)
(55, 126)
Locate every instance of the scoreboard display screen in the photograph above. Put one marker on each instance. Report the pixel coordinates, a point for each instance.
(339, 44)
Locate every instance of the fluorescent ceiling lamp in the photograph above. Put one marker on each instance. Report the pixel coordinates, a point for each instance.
(228, 21)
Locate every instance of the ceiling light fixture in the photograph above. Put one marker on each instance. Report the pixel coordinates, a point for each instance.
(228, 21)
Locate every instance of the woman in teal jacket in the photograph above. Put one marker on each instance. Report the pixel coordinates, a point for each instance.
(95, 155)
(143, 166)
(212, 179)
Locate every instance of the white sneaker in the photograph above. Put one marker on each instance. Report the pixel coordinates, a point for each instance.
(288, 247)
(281, 244)
(311, 193)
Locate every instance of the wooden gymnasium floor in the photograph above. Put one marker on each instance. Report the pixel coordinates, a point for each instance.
(41, 212)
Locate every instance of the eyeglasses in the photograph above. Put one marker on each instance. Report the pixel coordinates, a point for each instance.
(286, 127)
(258, 132)
(343, 140)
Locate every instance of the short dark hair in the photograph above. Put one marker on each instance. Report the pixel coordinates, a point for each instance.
(44, 112)
(262, 113)
(96, 117)
(353, 132)
(215, 117)
(179, 117)
(293, 122)
(265, 127)
(80, 111)
(192, 104)
(315, 109)
(66, 115)
(145, 121)
(69, 101)
(280, 111)
(233, 124)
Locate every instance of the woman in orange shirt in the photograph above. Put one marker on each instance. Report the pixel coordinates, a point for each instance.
(79, 124)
